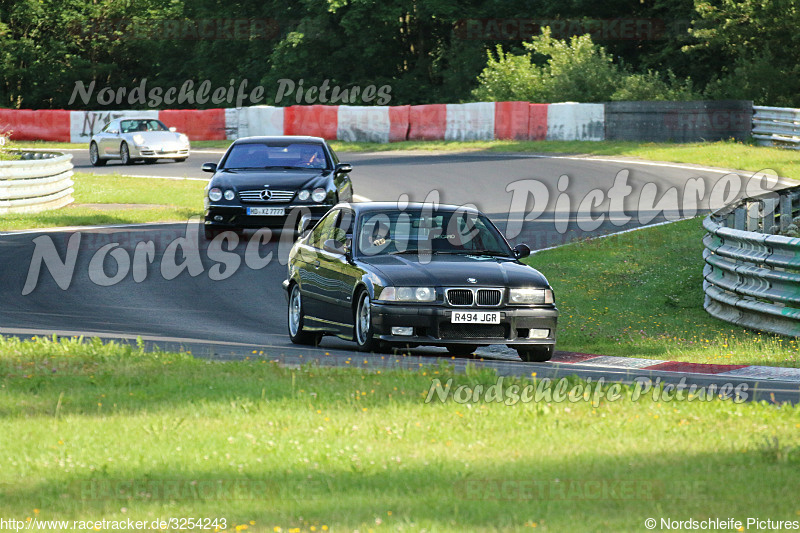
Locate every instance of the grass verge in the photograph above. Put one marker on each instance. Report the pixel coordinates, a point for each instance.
(115, 199)
(94, 431)
(640, 294)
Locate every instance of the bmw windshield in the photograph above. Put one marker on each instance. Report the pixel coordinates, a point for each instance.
(424, 232)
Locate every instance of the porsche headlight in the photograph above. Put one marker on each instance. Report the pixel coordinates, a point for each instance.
(408, 294)
(183, 138)
(530, 296)
(215, 195)
(318, 195)
(138, 139)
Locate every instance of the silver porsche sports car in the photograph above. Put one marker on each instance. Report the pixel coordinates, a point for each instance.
(137, 139)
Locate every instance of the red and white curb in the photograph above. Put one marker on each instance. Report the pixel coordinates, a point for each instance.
(775, 373)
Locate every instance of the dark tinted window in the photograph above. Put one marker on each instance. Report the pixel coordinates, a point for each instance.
(280, 155)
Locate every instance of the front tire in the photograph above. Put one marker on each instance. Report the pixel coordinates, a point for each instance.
(364, 330)
(535, 354)
(94, 156)
(297, 318)
(125, 154)
(180, 159)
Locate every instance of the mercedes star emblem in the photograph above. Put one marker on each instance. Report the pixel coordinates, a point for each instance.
(266, 194)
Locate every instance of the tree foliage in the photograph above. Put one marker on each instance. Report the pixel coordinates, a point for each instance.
(754, 45)
(577, 70)
(730, 48)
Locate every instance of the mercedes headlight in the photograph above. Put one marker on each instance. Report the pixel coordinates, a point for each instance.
(303, 195)
(215, 195)
(230, 195)
(530, 296)
(408, 294)
(318, 195)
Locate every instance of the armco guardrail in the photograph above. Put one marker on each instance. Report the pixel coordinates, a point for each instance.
(39, 181)
(777, 126)
(751, 275)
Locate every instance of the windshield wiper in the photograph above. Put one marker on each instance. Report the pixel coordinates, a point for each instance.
(400, 252)
(494, 253)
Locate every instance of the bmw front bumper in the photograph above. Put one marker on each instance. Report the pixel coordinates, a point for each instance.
(432, 325)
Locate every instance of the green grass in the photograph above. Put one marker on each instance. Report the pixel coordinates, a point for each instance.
(640, 294)
(341, 449)
(171, 200)
(723, 154)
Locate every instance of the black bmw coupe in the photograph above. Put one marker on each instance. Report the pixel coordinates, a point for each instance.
(272, 182)
(379, 274)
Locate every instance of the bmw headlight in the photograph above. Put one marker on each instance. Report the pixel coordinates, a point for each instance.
(408, 294)
(303, 195)
(319, 194)
(230, 195)
(138, 139)
(215, 195)
(530, 296)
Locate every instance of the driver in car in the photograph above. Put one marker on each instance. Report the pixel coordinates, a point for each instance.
(380, 234)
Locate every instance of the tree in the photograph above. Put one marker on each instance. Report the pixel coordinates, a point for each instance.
(578, 70)
(755, 44)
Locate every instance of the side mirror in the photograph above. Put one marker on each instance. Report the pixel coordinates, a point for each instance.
(344, 168)
(173, 129)
(522, 250)
(209, 167)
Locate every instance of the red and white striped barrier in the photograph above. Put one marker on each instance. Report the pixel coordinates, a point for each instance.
(36, 125)
(537, 122)
(364, 124)
(452, 122)
(315, 120)
(427, 122)
(469, 122)
(570, 121)
(197, 124)
(254, 121)
(511, 120)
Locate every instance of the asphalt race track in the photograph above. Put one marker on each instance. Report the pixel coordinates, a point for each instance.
(243, 314)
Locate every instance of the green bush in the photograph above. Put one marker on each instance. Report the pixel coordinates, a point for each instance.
(578, 70)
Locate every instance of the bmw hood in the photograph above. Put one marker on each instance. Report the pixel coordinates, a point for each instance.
(275, 179)
(454, 271)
